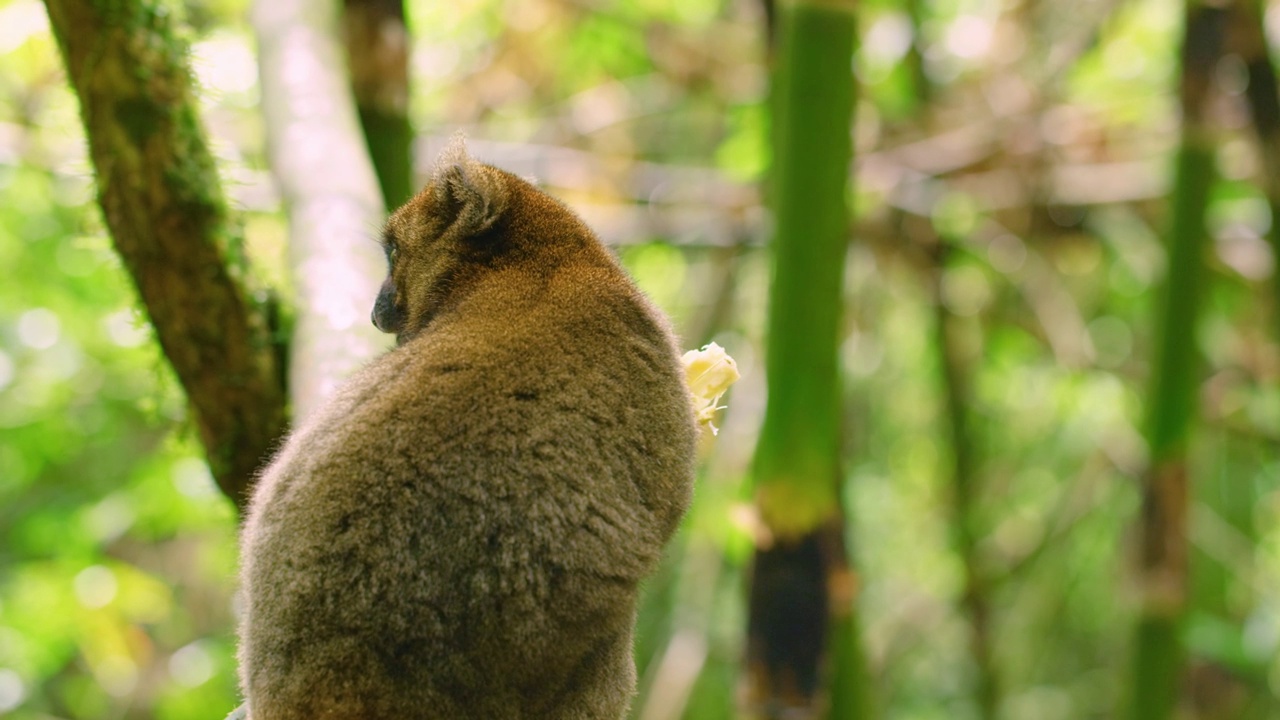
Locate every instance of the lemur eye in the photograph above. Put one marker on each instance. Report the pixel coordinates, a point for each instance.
(391, 247)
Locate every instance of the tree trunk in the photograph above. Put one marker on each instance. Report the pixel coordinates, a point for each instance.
(331, 192)
(1249, 39)
(378, 43)
(1162, 563)
(802, 627)
(163, 204)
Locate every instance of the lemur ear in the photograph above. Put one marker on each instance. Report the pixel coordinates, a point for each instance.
(476, 192)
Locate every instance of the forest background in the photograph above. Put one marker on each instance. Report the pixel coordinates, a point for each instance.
(1052, 411)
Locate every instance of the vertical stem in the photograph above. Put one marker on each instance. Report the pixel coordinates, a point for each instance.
(921, 83)
(975, 601)
(801, 599)
(1162, 572)
(1250, 41)
(770, 9)
(852, 697)
(377, 42)
(796, 461)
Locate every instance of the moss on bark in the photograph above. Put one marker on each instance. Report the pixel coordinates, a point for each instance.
(160, 194)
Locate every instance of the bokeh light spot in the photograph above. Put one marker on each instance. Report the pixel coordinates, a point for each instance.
(191, 666)
(6, 370)
(1112, 340)
(965, 291)
(125, 328)
(192, 478)
(95, 586)
(39, 328)
(969, 37)
(12, 691)
(110, 518)
(1007, 253)
(117, 674)
(225, 64)
(888, 38)
(20, 21)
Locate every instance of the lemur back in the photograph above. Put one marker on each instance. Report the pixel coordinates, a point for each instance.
(461, 531)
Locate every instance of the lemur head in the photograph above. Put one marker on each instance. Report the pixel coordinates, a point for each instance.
(470, 219)
(432, 238)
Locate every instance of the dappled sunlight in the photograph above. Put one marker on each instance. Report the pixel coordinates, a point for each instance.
(1009, 197)
(19, 21)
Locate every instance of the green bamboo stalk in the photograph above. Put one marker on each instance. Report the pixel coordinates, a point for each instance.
(1158, 655)
(796, 462)
(851, 694)
(802, 625)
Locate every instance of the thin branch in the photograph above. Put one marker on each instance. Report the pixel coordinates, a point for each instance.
(1171, 401)
(965, 487)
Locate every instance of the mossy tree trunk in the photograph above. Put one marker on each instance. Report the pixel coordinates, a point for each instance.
(802, 629)
(162, 201)
(378, 43)
(163, 204)
(1158, 654)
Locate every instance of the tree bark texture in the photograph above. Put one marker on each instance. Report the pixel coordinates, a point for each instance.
(378, 44)
(803, 656)
(1158, 655)
(163, 204)
(330, 190)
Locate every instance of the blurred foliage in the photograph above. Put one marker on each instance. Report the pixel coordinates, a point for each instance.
(1041, 136)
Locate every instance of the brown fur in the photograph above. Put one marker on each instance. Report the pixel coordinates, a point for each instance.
(460, 533)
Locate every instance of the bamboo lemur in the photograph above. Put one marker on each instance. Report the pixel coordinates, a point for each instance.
(461, 531)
